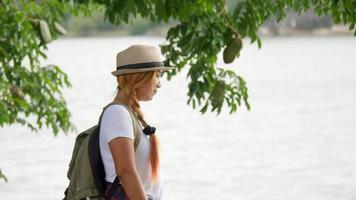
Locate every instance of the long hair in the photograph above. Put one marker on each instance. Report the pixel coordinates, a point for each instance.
(128, 83)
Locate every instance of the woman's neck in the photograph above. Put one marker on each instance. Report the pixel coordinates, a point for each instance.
(121, 97)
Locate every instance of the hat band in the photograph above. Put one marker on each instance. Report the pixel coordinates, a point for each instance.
(141, 65)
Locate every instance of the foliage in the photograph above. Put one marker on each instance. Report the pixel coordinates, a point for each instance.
(205, 28)
(29, 90)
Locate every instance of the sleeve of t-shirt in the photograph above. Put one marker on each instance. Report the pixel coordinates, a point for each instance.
(116, 122)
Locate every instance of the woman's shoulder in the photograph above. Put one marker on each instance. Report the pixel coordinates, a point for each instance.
(117, 110)
(116, 122)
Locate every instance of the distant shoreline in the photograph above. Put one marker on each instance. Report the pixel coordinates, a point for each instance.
(336, 30)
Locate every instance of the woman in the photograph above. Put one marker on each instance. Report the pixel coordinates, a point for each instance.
(138, 71)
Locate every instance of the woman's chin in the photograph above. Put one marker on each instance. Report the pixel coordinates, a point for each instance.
(147, 99)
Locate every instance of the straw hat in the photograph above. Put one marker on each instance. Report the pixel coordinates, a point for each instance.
(139, 58)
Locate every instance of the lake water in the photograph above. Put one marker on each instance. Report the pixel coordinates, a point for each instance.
(297, 142)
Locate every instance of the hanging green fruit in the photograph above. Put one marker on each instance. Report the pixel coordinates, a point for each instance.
(45, 32)
(17, 91)
(59, 28)
(218, 94)
(238, 55)
(232, 50)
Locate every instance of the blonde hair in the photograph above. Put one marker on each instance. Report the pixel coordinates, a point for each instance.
(128, 83)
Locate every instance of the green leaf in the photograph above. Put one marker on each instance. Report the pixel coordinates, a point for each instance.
(259, 42)
(2, 176)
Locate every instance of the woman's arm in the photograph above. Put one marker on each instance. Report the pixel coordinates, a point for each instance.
(123, 153)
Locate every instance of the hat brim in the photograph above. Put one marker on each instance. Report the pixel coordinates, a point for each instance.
(130, 71)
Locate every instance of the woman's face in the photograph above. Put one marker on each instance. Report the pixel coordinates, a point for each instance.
(147, 91)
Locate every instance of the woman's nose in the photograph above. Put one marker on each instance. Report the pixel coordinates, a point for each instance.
(158, 84)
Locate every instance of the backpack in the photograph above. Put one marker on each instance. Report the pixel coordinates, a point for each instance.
(86, 172)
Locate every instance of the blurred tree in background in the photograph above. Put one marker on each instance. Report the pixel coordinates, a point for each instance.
(292, 24)
(81, 26)
(203, 29)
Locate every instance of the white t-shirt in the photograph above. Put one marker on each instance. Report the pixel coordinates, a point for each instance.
(117, 122)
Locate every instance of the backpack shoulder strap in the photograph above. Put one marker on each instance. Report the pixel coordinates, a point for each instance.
(136, 126)
(135, 122)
